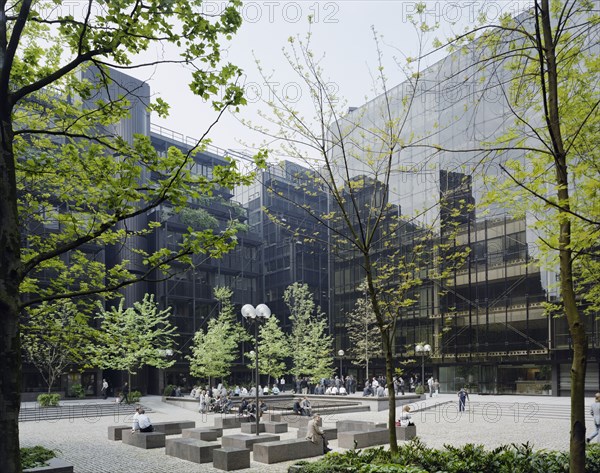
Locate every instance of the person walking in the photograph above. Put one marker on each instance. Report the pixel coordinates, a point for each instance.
(463, 396)
(125, 392)
(104, 390)
(430, 385)
(595, 412)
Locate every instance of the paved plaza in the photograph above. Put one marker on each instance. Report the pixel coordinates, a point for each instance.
(489, 420)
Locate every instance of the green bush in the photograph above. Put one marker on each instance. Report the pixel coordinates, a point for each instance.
(134, 396)
(415, 457)
(420, 389)
(32, 457)
(168, 390)
(47, 400)
(77, 391)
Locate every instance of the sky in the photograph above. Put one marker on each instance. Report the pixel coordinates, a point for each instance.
(342, 31)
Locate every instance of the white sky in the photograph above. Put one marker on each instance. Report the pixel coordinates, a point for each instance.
(341, 31)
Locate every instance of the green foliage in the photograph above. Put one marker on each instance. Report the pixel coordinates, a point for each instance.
(56, 335)
(415, 457)
(136, 336)
(198, 218)
(420, 389)
(311, 347)
(214, 351)
(168, 390)
(134, 396)
(77, 391)
(32, 457)
(48, 400)
(364, 337)
(273, 349)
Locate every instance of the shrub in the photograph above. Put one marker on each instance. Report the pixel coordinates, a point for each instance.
(77, 391)
(168, 390)
(32, 457)
(134, 396)
(420, 389)
(46, 400)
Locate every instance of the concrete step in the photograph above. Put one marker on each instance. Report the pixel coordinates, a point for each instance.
(76, 411)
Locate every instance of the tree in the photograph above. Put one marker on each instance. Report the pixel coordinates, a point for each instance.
(363, 335)
(355, 158)
(133, 337)
(55, 336)
(273, 348)
(214, 351)
(544, 64)
(58, 111)
(311, 347)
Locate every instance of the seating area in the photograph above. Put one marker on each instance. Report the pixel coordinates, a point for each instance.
(236, 450)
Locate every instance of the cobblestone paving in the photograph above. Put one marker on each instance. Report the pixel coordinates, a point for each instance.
(489, 420)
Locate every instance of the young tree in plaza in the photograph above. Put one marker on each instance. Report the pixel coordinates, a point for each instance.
(53, 117)
(310, 345)
(56, 335)
(273, 349)
(214, 351)
(544, 64)
(132, 337)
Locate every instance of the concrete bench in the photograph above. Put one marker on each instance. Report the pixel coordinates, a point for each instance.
(55, 465)
(200, 434)
(144, 439)
(173, 427)
(230, 458)
(285, 450)
(275, 417)
(193, 450)
(247, 441)
(362, 439)
(362, 425)
(229, 422)
(250, 427)
(115, 432)
(330, 433)
(276, 427)
(406, 433)
(297, 421)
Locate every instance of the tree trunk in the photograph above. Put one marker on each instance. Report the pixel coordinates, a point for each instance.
(389, 374)
(10, 277)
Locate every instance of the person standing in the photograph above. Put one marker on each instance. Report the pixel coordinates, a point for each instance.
(595, 412)
(430, 385)
(463, 396)
(436, 387)
(315, 433)
(282, 384)
(104, 390)
(125, 392)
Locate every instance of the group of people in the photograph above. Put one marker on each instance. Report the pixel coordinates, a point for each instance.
(303, 407)
(338, 385)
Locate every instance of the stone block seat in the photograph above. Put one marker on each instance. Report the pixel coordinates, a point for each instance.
(193, 450)
(250, 427)
(406, 433)
(229, 422)
(362, 425)
(144, 440)
(363, 438)
(230, 458)
(247, 441)
(173, 427)
(330, 432)
(204, 433)
(115, 432)
(285, 450)
(276, 427)
(297, 421)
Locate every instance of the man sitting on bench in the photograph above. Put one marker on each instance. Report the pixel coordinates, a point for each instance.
(144, 422)
(314, 432)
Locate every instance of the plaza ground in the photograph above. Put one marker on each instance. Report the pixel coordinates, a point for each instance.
(489, 420)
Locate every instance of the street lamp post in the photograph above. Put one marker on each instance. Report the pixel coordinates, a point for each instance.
(423, 350)
(341, 354)
(256, 316)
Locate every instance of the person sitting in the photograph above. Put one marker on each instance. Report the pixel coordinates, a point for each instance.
(244, 391)
(405, 418)
(227, 404)
(236, 391)
(263, 407)
(251, 410)
(305, 407)
(243, 406)
(315, 433)
(334, 390)
(135, 423)
(297, 409)
(343, 391)
(328, 391)
(144, 422)
(275, 389)
(266, 390)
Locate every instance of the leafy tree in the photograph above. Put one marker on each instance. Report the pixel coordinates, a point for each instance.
(544, 64)
(357, 164)
(215, 351)
(311, 347)
(273, 349)
(133, 337)
(363, 335)
(56, 335)
(59, 111)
